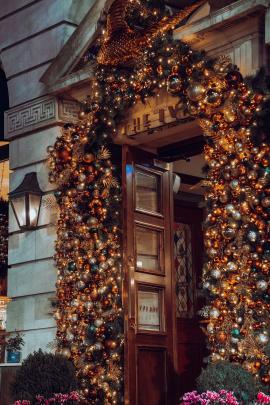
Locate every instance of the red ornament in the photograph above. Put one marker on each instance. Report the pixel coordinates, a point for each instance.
(63, 154)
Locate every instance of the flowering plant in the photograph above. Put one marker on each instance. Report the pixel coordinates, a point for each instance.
(56, 399)
(263, 399)
(23, 402)
(209, 397)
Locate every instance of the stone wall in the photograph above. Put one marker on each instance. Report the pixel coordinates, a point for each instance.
(31, 35)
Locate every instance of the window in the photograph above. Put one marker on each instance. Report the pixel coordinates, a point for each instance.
(184, 271)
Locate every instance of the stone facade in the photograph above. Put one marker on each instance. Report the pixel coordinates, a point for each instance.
(32, 33)
(40, 42)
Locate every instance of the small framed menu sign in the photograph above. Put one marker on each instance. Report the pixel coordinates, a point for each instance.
(150, 303)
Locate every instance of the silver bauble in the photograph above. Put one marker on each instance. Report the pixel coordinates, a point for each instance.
(262, 285)
(75, 303)
(230, 208)
(111, 261)
(206, 285)
(210, 328)
(212, 252)
(92, 221)
(81, 186)
(98, 322)
(263, 338)
(236, 215)
(216, 273)
(82, 177)
(98, 346)
(229, 233)
(231, 266)
(88, 305)
(214, 313)
(234, 184)
(252, 236)
(80, 285)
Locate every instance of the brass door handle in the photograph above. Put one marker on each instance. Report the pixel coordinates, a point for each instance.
(131, 263)
(132, 324)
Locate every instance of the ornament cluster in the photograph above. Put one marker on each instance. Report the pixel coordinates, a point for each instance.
(89, 311)
(88, 251)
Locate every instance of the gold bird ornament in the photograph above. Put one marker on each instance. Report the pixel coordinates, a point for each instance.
(123, 45)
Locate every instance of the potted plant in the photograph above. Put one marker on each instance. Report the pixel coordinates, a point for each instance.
(13, 347)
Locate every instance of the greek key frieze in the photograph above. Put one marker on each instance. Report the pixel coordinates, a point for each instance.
(32, 114)
(68, 110)
(38, 114)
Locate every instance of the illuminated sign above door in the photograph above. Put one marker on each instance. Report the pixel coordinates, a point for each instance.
(163, 109)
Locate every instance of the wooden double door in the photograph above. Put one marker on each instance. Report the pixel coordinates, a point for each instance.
(149, 281)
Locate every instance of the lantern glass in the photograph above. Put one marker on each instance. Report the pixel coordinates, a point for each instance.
(26, 200)
(34, 206)
(19, 207)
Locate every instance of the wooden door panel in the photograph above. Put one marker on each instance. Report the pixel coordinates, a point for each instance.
(148, 286)
(152, 380)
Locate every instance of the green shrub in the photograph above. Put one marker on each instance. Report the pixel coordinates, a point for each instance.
(43, 374)
(231, 377)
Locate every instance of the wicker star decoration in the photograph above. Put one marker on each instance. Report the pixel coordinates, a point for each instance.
(123, 45)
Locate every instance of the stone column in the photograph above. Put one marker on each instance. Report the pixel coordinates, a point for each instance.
(31, 128)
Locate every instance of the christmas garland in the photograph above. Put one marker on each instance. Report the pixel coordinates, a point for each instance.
(236, 274)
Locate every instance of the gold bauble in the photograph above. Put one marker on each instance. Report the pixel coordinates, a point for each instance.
(229, 114)
(89, 157)
(196, 91)
(221, 336)
(229, 233)
(94, 294)
(232, 298)
(192, 109)
(66, 352)
(213, 98)
(266, 202)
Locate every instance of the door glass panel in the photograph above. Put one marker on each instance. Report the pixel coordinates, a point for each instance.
(149, 310)
(148, 249)
(147, 191)
(184, 271)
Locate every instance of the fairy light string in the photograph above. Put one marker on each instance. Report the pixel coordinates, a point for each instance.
(89, 311)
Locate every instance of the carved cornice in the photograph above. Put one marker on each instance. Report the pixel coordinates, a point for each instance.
(220, 17)
(39, 113)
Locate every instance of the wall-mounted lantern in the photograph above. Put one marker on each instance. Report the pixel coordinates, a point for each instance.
(25, 201)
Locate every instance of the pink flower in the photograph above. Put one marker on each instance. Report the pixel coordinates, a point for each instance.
(209, 397)
(74, 396)
(57, 398)
(263, 398)
(23, 402)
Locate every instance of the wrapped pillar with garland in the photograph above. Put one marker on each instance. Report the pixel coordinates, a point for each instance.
(133, 65)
